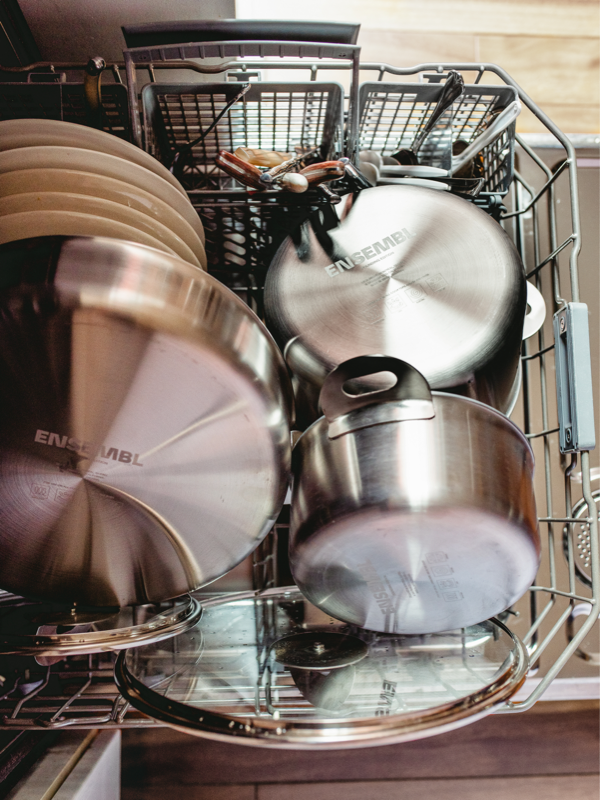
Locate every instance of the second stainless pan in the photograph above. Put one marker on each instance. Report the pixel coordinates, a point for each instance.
(414, 273)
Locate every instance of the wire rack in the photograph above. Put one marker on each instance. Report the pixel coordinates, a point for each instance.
(243, 229)
(566, 506)
(270, 116)
(240, 225)
(392, 114)
(79, 691)
(46, 94)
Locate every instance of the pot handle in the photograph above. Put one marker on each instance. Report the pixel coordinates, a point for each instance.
(408, 399)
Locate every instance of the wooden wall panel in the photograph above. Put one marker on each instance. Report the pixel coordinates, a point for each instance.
(550, 73)
(551, 48)
(536, 17)
(569, 118)
(407, 49)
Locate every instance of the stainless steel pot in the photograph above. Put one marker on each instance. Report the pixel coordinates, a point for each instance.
(412, 511)
(413, 273)
(144, 433)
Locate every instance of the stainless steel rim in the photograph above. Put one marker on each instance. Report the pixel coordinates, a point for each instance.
(472, 400)
(162, 626)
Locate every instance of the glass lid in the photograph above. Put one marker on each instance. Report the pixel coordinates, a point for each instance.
(30, 627)
(271, 669)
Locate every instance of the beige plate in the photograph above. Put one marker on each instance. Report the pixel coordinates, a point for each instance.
(97, 206)
(71, 223)
(66, 180)
(75, 158)
(16, 133)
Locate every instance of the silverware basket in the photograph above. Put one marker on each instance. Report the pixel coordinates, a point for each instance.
(391, 115)
(270, 116)
(243, 229)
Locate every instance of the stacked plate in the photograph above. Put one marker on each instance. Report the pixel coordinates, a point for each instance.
(59, 178)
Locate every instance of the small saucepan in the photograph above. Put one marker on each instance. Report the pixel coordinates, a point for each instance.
(412, 511)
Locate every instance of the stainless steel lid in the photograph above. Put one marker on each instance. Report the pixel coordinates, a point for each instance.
(144, 433)
(226, 679)
(30, 628)
(413, 273)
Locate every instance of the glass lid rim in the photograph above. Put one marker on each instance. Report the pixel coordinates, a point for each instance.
(175, 622)
(327, 729)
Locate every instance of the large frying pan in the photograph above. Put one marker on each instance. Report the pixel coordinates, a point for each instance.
(144, 426)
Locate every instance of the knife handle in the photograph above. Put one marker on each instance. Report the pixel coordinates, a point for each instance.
(241, 170)
(323, 171)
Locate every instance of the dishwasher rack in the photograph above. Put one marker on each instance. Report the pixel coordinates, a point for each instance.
(79, 692)
(68, 92)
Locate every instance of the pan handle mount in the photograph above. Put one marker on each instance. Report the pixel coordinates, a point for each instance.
(408, 399)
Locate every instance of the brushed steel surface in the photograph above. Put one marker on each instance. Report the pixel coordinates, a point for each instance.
(427, 277)
(144, 434)
(415, 526)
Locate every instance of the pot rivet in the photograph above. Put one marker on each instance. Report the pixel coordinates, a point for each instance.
(563, 325)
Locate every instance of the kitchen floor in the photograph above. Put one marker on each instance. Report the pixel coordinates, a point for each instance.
(548, 753)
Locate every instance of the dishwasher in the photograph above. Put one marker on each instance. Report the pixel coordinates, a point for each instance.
(366, 106)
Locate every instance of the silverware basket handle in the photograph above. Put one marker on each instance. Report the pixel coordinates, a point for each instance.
(158, 34)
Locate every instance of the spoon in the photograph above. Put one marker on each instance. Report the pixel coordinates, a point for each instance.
(453, 88)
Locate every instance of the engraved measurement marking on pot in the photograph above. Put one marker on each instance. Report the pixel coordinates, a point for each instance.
(437, 557)
(447, 583)
(409, 584)
(85, 449)
(367, 256)
(378, 588)
(451, 597)
(39, 491)
(431, 580)
(51, 490)
(440, 575)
